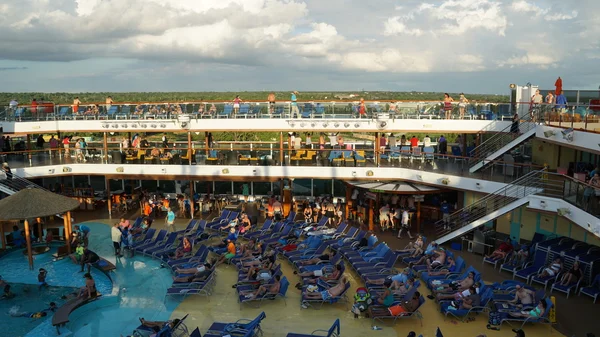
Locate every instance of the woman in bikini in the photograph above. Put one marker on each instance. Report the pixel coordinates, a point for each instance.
(89, 291)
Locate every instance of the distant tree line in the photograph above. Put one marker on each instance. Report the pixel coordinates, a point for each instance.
(99, 97)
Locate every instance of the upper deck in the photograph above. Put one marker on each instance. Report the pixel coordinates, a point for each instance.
(256, 116)
(310, 116)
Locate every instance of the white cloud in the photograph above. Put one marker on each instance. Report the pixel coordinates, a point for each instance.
(451, 17)
(394, 26)
(339, 37)
(549, 13)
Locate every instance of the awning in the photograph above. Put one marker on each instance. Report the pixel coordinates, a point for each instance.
(395, 187)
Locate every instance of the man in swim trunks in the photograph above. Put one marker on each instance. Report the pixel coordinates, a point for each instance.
(272, 288)
(323, 258)
(326, 294)
(322, 274)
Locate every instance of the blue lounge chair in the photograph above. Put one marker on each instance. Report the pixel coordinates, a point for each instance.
(462, 314)
(266, 225)
(573, 286)
(307, 254)
(283, 288)
(455, 277)
(593, 290)
(189, 228)
(375, 255)
(536, 278)
(324, 286)
(192, 288)
(334, 331)
(348, 241)
(320, 265)
(240, 326)
(226, 113)
(416, 313)
(541, 320)
(198, 257)
(160, 245)
(275, 237)
(532, 268)
(496, 261)
(311, 244)
(159, 238)
(165, 331)
(196, 333)
(147, 238)
(376, 265)
(459, 267)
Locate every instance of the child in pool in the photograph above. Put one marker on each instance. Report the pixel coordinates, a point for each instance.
(14, 312)
(42, 278)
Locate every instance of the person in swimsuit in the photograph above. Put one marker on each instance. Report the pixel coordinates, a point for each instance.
(462, 105)
(534, 313)
(326, 294)
(321, 274)
(447, 106)
(89, 290)
(461, 285)
(265, 289)
(523, 297)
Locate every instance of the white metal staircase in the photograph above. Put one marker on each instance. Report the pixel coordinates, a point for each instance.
(500, 143)
(15, 184)
(494, 205)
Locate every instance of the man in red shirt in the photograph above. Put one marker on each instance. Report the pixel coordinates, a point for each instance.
(414, 141)
(504, 248)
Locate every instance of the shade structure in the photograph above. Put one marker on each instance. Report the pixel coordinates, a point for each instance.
(395, 187)
(34, 203)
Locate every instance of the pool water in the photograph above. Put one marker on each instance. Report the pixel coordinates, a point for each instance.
(29, 299)
(137, 289)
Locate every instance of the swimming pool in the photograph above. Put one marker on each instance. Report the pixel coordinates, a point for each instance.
(137, 290)
(28, 299)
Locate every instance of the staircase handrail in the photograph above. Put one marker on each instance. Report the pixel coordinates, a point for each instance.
(498, 192)
(475, 155)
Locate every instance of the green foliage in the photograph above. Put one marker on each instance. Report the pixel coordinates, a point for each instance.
(147, 97)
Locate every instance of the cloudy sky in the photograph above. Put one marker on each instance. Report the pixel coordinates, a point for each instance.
(232, 45)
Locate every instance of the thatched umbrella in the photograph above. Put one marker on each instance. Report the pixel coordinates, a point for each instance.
(36, 203)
